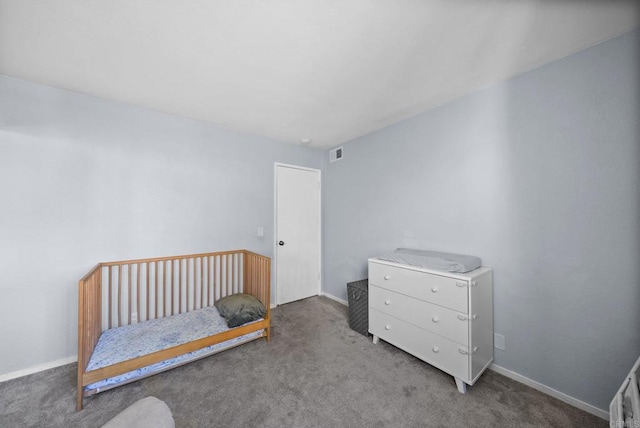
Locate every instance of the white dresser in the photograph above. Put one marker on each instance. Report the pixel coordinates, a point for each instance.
(445, 319)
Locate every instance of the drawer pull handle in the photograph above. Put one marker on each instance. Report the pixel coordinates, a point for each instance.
(435, 349)
(387, 327)
(465, 352)
(435, 319)
(461, 284)
(434, 289)
(387, 277)
(387, 302)
(466, 318)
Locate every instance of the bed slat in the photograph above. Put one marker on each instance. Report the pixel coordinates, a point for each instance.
(138, 290)
(110, 298)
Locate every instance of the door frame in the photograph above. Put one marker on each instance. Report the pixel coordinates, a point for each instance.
(275, 224)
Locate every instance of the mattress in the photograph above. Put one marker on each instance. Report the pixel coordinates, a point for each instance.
(124, 343)
(436, 260)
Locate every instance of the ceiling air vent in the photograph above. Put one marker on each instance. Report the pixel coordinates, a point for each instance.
(335, 154)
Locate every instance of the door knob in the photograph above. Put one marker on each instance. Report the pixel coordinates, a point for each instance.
(281, 243)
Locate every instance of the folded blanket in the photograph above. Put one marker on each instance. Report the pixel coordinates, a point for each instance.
(436, 260)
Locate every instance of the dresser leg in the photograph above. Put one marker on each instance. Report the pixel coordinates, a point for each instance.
(462, 387)
(375, 339)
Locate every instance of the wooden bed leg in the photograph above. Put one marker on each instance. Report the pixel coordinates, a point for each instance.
(79, 398)
(80, 388)
(268, 330)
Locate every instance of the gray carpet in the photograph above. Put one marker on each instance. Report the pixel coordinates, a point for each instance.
(316, 372)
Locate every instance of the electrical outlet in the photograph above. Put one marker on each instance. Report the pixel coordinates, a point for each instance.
(498, 341)
(134, 317)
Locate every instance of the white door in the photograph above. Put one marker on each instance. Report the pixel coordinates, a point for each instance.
(297, 233)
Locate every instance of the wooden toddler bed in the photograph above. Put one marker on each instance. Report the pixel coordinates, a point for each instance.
(137, 318)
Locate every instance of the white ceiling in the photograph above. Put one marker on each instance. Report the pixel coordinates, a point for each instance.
(329, 70)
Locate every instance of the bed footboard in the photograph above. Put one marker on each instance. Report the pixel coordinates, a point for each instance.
(115, 294)
(89, 321)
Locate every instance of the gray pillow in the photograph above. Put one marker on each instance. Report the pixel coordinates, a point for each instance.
(240, 309)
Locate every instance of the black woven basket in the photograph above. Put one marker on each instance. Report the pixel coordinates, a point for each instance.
(358, 294)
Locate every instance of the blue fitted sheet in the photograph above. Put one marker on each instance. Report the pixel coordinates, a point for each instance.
(135, 340)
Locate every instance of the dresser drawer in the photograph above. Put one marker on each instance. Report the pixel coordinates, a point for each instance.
(445, 322)
(448, 292)
(432, 348)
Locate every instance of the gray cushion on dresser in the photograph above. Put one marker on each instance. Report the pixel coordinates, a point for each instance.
(437, 260)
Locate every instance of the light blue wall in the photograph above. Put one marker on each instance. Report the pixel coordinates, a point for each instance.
(83, 180)
(540, 177)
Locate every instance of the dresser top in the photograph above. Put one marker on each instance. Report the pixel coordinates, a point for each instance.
(463, 276)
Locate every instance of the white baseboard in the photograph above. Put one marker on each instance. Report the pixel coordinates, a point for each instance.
(38, 368)
(337, 299)
(550, 391)
(330, 296)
